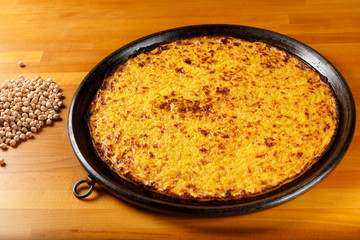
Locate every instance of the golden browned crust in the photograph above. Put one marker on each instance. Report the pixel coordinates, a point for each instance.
(212, 118)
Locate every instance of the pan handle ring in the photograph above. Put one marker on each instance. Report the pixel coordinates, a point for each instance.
(91, 184)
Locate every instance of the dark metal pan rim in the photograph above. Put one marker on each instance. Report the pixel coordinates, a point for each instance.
(87, 156)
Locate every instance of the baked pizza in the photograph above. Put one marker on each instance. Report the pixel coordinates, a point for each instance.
(212, 118)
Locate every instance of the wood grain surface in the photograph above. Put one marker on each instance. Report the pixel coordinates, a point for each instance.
(65, 39)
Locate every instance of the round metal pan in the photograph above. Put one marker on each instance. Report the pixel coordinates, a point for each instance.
(100, 173)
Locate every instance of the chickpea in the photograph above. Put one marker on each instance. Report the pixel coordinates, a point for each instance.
(25, 106)
(6, 105)
(3, 146)
(12, 142)
(21, 64)
(48, 104)
(37, 112)
(41, 118)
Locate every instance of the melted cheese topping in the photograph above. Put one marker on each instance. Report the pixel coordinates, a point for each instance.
(212, 117)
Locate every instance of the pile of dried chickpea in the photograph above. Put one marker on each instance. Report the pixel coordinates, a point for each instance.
(26, 105)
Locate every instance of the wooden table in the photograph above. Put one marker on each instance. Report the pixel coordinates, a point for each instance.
(65, 39)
